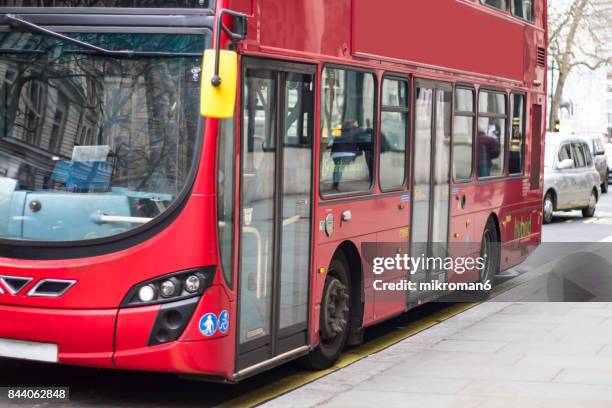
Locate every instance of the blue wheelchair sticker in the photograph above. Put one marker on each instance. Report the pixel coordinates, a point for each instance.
(208, 324)
(224, 321)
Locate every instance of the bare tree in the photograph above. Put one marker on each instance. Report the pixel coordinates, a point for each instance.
(577, 36)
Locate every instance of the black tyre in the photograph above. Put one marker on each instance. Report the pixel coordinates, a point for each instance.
(548, 208)
(335, 316)
(589, 211)
(604, 185)
(490, 251)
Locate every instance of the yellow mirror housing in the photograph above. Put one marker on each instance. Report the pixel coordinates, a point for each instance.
(219, 101)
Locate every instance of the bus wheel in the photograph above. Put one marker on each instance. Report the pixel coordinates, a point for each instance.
(490, 251)
(334, 318)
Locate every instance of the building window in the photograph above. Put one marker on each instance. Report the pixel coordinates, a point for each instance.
(498, 4)
(463, 134)
(517, 134)
(491, 136)
(58, 125)
(393, 134)
(522, 9)
(347, 121)
(34, 99)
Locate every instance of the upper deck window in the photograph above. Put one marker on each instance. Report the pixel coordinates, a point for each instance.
(522, 9)
(498, 4)
(110, 3)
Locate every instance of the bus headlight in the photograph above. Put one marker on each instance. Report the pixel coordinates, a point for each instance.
(170, 288)
(193, 283)
(147, 293)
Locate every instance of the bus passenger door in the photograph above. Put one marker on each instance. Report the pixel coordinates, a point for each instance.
(275, 210)
(430, 181)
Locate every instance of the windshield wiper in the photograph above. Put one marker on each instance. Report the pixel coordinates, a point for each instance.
(17, 21)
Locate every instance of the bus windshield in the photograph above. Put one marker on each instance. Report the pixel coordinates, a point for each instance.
(92, 145)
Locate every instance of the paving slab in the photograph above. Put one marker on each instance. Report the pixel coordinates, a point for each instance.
(497, 354)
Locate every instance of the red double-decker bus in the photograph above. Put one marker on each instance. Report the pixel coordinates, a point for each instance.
(150, 221)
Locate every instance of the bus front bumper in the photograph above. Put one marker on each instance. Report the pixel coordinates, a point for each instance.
(81, 337)
(116, 338)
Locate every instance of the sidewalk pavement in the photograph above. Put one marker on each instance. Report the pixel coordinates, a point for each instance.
(497, 354)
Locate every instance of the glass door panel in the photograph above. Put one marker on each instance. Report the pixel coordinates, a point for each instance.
(275, 210)
(258, 197)
(296, 205)
(441, 180)
(421, 196)
(431, 178)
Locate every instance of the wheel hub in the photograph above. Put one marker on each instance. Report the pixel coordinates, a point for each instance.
(335, 307)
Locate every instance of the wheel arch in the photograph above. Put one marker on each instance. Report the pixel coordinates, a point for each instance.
(553, 193)
(493, 216)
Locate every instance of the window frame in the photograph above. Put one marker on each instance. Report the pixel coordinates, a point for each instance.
(506, 10)
(474, 115)
(524, 130)
(321, 82)
(531, 20)
(404, 110)
(571, 150)
(504, 148)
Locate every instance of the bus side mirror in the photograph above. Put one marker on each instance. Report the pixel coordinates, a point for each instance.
(218, 98)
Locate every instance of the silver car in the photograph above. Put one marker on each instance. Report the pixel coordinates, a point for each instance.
(595, 142)
(571, 181)
(608, 149)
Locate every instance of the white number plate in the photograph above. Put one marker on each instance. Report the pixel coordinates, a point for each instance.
(29, 350)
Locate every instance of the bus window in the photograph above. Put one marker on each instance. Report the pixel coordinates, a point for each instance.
(522, 9)
(517, 135)
(346, 136)
(490, 139)
(225, 196)
(498, 4)
(347, 121)
(393, 134)
(463, 134)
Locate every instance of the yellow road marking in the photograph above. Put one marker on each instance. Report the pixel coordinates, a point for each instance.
(302, 378)
(568, 221)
